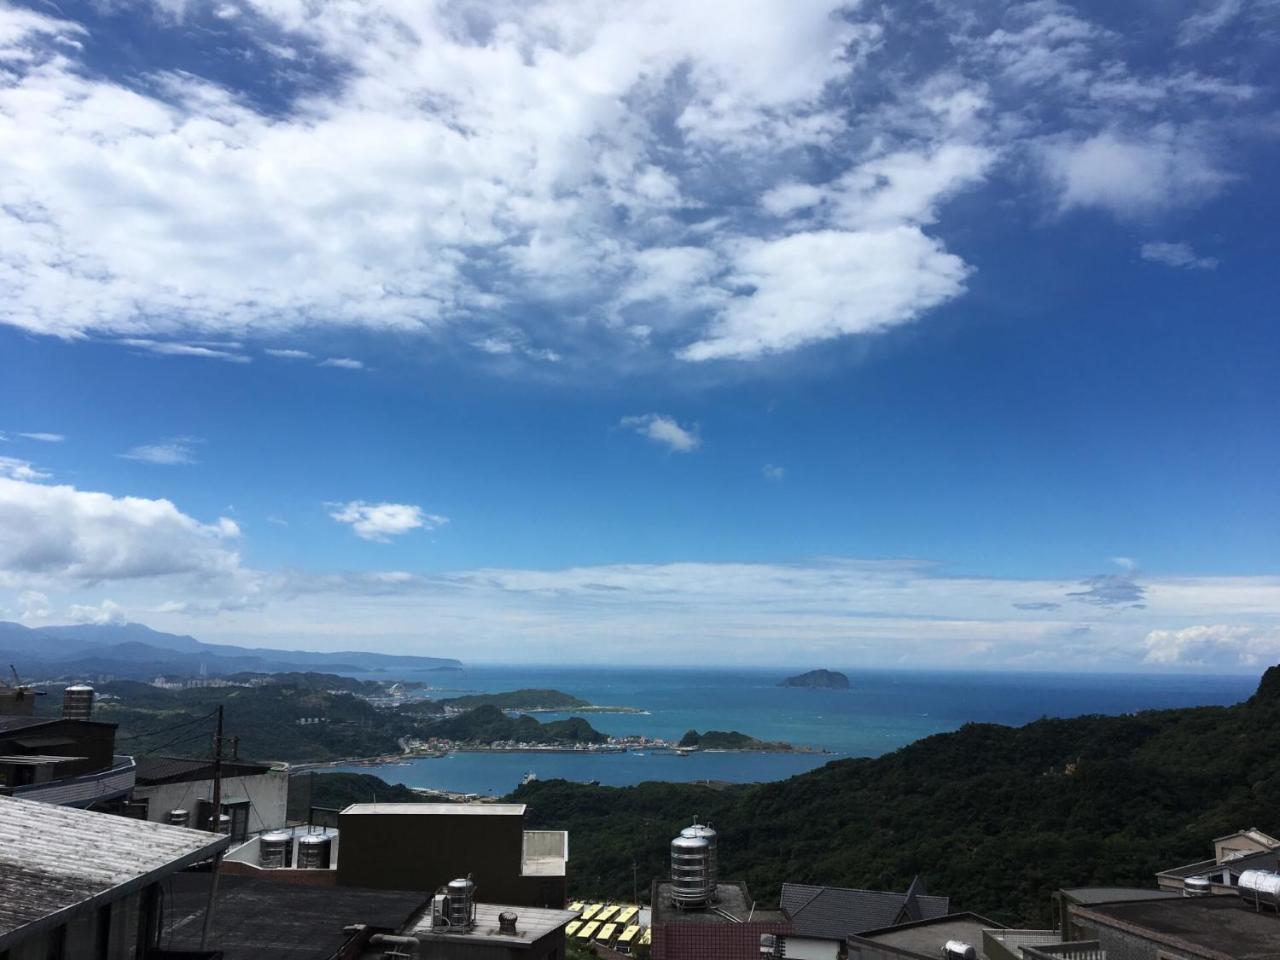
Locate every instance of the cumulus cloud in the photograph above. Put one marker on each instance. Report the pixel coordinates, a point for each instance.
(1178, 255)
(108, 611)
(17, 469)
(664, 430)
(171, 452)
(380, 522)
(1110, 589)
(1213, 646)
(60, 533)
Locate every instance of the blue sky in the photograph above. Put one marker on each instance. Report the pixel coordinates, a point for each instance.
(843, 333)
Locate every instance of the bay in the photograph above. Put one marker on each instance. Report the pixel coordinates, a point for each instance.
(884, 710)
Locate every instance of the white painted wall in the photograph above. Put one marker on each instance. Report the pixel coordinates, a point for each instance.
(267, 793)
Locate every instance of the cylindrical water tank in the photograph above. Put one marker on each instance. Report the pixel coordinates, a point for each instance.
(460, 893)
(959, 950)
(690, 879)
(1196, 887)
(178, 818)
(275, 850)
(315, 851)
(224, 824)
(77, 702)
(1260, 885)
(708, 834)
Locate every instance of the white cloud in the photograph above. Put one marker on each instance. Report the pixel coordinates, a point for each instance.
(44, 437)
(1177, 255)
(171, 452)
(1213, 646)
(342, 363)
(1205, 23)
(380, 522)
(33, 605)
(17, 469)
(170, 348)
(61, 534)
(814, 286)
(788, 198)
(664, 430)
(108, 611)
(1129, 175)
(773, 472)
(288, 353)
(1128, 564)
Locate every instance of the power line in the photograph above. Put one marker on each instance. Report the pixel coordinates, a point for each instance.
(168, 729)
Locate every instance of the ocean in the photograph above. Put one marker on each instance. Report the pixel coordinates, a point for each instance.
(884, 710)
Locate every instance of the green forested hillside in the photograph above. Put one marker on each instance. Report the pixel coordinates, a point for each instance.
(996, 817)
(523, 699)
(488, 724)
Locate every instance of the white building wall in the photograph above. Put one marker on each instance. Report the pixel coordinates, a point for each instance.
(267, 793)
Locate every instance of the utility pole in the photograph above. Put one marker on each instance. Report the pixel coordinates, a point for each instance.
(217, 824)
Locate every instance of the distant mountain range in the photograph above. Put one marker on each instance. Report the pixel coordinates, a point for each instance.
(134, 650)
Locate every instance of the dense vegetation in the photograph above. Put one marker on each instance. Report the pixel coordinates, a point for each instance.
(525, 699)
(823, 679)
(488, 724)
(995, 817)
(267, 718)
(727, 740)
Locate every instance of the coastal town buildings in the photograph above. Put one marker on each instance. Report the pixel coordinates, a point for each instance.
(180, 789)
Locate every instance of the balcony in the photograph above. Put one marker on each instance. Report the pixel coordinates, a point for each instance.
(114, 783)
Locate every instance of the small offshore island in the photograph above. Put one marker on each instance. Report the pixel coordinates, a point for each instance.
(818, 680)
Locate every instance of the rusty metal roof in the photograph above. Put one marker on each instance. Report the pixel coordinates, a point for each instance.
(54, 859)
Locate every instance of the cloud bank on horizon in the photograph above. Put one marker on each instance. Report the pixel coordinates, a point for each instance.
(67, 554)
(561, 180)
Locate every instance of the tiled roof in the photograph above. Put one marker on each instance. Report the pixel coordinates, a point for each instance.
(54, 858)
(836, 912)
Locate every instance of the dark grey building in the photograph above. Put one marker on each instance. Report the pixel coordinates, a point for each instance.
(833, 913)
(1178, 928)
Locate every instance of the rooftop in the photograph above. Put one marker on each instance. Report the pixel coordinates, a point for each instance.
(1219, 928)
(439, 809)
(9, 724)
(835, 912)
(45, 872)
(532, 924)
(731, 898)
(1088, 895)
(256, 918)
(925, 938)
(157, 770)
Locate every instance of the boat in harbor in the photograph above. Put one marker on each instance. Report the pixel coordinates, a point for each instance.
(528, 778)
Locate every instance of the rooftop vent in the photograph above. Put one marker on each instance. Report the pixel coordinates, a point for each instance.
(1196, 887)
(958, 950)
(507, 923)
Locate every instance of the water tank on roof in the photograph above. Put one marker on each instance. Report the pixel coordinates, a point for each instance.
(690, 872)
(1260, 886)
(275, 850)
(705, 831)
(77, 702)
(460, 902)
(224, 824)
(178, 818)
(1196, 887)
(315, 851)
(959, 950)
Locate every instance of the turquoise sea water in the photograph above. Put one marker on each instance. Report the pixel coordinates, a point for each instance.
(886, 709)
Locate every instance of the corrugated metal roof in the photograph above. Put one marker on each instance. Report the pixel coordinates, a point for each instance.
(53, 859)
(837, 912)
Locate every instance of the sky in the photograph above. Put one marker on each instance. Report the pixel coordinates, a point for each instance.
(912, 333)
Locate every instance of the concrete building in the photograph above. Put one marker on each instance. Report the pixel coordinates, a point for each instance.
(1233, 854)
(1177, 928)
(80, 884)
(254, 795)
(729, 930)
(63, 761)
(422, 846)
(528, 934)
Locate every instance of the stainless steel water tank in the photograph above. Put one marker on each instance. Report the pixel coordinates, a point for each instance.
(708, 834)
(315, 851)
(461, 894)
(77, 702)
(1196, 887)
(959, 950)
(178, 818)
(1260, 885)
(224, 824)
(690, 876)
(275, 850)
